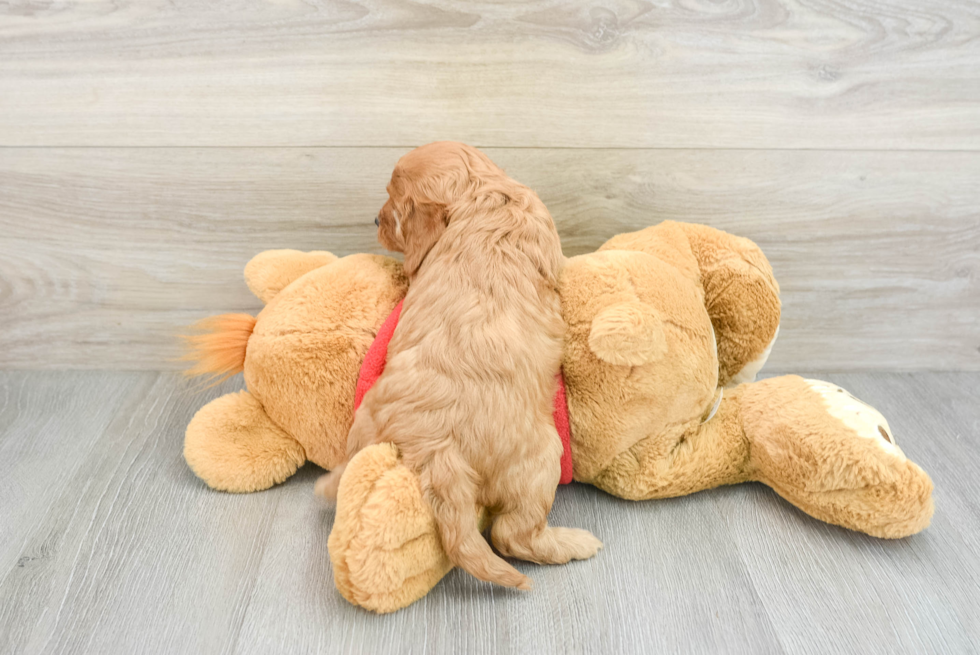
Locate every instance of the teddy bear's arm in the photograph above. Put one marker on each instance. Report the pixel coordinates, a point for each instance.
(233, 445)
(271, 271)
(741, 294)
(833, 456)
(826, 452)
(691, 458)
(742, 298)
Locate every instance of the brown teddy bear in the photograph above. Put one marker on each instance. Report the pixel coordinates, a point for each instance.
(667, 328)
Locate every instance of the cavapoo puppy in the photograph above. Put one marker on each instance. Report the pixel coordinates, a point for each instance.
(468, 389)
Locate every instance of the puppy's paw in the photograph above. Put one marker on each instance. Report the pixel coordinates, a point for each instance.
(578, 544)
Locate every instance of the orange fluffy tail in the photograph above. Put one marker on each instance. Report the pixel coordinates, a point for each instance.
(219, 351)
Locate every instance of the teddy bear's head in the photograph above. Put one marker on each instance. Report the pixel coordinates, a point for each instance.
(640, 356)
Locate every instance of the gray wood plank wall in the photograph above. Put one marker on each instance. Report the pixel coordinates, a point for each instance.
(148, 149)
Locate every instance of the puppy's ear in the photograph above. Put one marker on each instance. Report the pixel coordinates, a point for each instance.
(421, 229)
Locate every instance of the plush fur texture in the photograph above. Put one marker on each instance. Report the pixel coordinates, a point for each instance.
(253, 452)
(300, 359)
(725, 267)
(468, 388)
(271, 271)
(380, 514)
(647, 307)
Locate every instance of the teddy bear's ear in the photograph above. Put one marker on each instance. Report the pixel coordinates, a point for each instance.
(628, 334)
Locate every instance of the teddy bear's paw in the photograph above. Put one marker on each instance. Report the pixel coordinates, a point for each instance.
(233, 445)
(384, 545)
(863, 419)
(853, 473)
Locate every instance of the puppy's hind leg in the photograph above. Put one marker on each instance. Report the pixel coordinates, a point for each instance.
(363, 433)
(523, 531)
(328, 484)
(449, 486)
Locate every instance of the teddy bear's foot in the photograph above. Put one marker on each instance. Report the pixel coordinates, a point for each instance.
(834, 457)
(384, 544)
(233, 445)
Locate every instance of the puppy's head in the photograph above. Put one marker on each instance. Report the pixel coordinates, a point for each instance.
(425, 186)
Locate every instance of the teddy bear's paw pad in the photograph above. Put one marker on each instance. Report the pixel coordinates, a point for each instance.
(860, 417)
(397, 543)
(384, 544)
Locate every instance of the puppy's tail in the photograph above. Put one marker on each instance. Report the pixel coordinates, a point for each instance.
(449, 485)
(219, 350)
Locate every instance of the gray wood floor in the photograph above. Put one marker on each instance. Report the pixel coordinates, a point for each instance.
(111, 545)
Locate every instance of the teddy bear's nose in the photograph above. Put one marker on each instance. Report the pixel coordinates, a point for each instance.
(377, 221)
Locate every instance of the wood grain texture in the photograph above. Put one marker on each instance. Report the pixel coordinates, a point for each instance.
(105, 253)
(616, 73)
(128, 552)
(874, 592)
(48, 426)
(165, 577)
